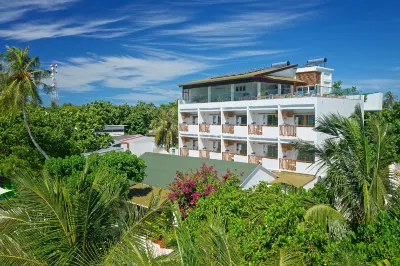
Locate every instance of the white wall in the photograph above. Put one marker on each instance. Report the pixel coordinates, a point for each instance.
(240, 131)
(258, 176)
(270, 132)
(138, 148)
(306, 168)
(240, 158)
(373, 102)
(216, 156)
(193, 153)
(215, 129)
(306, 133)
(271, 164)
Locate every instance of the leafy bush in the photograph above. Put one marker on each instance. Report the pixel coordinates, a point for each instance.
(121, 166)
(187, 188)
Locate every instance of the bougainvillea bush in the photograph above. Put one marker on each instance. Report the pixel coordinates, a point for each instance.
(187, 188)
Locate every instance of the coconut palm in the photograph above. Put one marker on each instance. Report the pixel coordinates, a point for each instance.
(166, 126)
(21, 80)
(389, 99)
(91, 223)
(355, 158)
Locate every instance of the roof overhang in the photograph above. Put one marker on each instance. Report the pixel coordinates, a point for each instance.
(239, 78)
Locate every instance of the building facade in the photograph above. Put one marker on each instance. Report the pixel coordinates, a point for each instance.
(254, 117)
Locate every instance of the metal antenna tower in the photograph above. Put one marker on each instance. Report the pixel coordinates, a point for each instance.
(54, 94)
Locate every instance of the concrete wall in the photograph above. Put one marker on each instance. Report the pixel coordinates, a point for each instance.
(373, 102)
(258, 177)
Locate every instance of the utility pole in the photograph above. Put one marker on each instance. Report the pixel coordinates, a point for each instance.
(54, 94)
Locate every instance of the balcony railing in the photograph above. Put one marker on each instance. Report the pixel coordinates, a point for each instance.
(255, 159)
(183, 127)
(287, 130)
(228, 156)
(204, 154)
(184, 151)
(287, 164)
(302, 91)
(255, 130)
(205, 128)
(227, 129)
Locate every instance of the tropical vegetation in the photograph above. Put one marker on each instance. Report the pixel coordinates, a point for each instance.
(69, 209)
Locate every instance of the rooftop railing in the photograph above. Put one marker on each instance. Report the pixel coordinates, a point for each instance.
(302, 91)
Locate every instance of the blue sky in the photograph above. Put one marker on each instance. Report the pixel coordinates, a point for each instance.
(125, 51)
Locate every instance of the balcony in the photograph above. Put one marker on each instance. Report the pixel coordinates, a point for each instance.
(228, 156)
(184, 151)
(204, 128)
(255, 130)
(204, 154)
(287, 164)
(287, 130)
(255, 159)
(183, 127)
(227, 129)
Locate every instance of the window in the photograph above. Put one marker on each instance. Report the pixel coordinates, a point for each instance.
(217, 146)
(195, 119)
(270, 120)
(195, 144)
(241, 149)
(304, 120)
(241, 120)
(270, 151)
(241, 88)
(305, 156)
(216, 120)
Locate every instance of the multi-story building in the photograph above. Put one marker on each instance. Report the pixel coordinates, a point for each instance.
(254, 117)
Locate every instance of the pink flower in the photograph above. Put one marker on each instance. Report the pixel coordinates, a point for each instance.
(185, 189)
(171, 197)
(242, 173)
(191, 182)
(186, 174)
(225, 176)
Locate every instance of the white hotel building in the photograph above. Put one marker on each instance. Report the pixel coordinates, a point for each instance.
(254, 117)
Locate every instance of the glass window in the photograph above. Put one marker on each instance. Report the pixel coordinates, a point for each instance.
(271, 151)
(271, 120)
(216, 119)
(311, 120)
(304, 120)
(195, 120)
(241, 120)
(306, 156)
(195, 145)
(241, 148)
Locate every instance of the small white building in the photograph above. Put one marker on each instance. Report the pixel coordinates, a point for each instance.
(138, 144)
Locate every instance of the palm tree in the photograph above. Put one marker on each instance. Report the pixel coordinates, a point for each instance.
(389, 99)
(355, 158)
(20, 84)
(50, 222)
(166, 126)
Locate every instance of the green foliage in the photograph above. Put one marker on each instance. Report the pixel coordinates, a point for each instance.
(166, 126)
(122, 166)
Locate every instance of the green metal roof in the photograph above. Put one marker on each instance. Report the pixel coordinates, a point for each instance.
(161, 168)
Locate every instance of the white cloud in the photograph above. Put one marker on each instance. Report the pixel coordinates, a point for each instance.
(150, 95)
(243, 25)
(396, 68)
(378, 84)
(13, 10)
(83, 73)
(34, 30)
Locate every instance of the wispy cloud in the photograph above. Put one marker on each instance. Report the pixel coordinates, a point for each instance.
(92, 28)
(377, 84)
(84, 73)
(396, 68)
(149, 94)
(13, 10)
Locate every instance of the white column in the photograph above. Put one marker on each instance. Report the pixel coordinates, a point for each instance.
(291, 89)
(258, 89)
(209, 94)
(232, 92)
(279, 89)
(247, 135)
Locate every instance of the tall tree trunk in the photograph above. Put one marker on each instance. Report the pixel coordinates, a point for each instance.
(30, 134)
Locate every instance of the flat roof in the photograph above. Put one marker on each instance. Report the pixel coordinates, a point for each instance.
(295, 179)
(250, 74)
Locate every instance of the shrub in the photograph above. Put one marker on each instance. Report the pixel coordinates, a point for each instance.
(187, 188)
